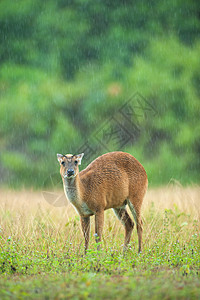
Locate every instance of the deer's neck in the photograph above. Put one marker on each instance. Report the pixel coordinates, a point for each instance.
(72, 189)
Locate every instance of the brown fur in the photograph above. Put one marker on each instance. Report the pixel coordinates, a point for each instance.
(110, 181)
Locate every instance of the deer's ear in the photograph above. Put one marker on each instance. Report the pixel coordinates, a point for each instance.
(59, 157)
(79, 158)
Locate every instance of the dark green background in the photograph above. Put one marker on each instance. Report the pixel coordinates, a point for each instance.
(67, 69)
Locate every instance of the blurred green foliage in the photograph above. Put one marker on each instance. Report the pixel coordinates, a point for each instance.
(68, 66)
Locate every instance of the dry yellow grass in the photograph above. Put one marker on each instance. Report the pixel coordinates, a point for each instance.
(30, 216)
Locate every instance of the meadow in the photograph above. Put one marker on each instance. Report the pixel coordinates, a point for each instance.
(42, 249)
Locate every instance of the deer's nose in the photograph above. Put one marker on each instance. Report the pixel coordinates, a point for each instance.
(70, 172)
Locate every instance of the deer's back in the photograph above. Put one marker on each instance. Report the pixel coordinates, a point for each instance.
(113, 176)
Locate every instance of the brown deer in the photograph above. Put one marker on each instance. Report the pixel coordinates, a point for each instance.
(113, 180)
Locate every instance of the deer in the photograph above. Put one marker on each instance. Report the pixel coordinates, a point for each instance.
(113, 180)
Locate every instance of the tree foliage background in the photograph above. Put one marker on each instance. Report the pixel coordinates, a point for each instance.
(67, 67)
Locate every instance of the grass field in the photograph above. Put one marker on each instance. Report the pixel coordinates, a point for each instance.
(42, 249)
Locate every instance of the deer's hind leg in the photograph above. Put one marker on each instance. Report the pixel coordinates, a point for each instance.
(125, 219)
(136, 212)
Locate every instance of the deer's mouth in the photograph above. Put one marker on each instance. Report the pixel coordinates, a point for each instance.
(69, 176)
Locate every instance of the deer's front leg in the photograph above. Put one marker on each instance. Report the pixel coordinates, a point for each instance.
(99, 220)
(85, 223)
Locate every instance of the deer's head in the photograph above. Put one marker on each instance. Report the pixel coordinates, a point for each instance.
(69, 164)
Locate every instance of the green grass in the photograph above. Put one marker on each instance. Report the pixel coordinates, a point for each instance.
(42, 255)
(157, 284)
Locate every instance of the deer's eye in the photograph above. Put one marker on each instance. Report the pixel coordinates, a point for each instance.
(63, 163)
(76, 162)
